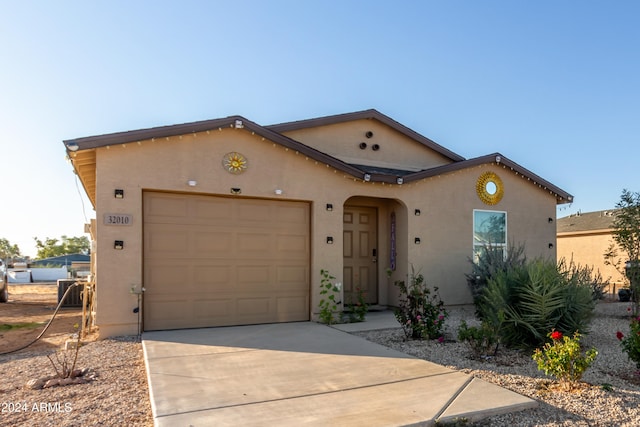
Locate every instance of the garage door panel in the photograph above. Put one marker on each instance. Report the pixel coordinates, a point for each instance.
(226, 261)
(254, 242)
(292, 245)
(212, 243)
(169, 241)
(165, 208)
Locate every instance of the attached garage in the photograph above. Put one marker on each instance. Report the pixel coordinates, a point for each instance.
(217, 261)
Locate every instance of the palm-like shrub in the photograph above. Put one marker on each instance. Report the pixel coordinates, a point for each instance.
(492, 260)
(525, 302)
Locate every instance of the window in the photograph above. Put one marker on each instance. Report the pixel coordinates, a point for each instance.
(489, 230)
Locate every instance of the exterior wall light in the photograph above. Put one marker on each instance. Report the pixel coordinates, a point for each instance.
(367, 177)
(236, 190)
(118, 244)
(550, 245)
(417, 212)
(118, 193)
(550, 220)
(329, 240)
(329, 207)
(416, 240)
(192, 183)
(400, 180)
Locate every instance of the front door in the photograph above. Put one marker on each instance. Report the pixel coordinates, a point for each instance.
(360, 254)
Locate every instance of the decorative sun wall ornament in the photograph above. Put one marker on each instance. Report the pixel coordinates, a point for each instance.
(234, 162)
(489, 188)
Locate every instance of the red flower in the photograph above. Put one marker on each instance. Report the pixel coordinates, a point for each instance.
(619, 335)
(556, 335)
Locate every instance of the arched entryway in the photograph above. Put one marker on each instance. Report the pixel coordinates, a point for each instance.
(372, 230)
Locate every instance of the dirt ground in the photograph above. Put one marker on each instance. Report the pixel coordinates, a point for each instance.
(36, 303)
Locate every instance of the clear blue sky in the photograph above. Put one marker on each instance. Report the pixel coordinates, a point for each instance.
(552, 85)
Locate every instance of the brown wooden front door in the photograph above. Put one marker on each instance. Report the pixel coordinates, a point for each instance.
(360, 253)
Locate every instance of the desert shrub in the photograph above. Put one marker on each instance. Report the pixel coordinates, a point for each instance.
(483, 340)
(524, 303)
(420, 313)
(584, 275)
(490, 262)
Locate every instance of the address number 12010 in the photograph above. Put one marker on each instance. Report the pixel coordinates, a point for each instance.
(118, 219)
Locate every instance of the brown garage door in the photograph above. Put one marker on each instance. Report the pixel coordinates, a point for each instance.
(216, 261)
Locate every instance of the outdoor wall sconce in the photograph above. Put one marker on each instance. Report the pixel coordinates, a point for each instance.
(367, 177)
(236, 190)
(416, 212)
(192, 183)
(550, 220)
(118, 244)
(329, 240)
(369, 134)
(550, 245)
(375, 147)
(416, 240)
(329, 207)
(118, 193)
(278, 191)
(362, 145)
(399, 181)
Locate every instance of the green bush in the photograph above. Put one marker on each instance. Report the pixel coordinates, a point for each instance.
(328, 304)
(420, 314)
(492, 260)
(483, 340)
(631, 343)
(524, 303)
(563, 358)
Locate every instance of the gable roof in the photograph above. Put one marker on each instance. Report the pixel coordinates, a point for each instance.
(586, 222)
(369, 115)
(81, 151)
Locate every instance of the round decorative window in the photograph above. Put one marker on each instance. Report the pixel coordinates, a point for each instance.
(234, 162)
(489, 188)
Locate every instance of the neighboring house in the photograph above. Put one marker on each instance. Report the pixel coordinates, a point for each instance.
(584, 238)
(228, 222)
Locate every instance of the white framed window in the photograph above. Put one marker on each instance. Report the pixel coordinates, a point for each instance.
(489, 231)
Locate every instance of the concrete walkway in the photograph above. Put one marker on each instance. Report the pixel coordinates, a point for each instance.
(293, 374)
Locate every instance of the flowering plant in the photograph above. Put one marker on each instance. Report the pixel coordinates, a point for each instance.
(420, 314)
(563, 358)
(631, 343)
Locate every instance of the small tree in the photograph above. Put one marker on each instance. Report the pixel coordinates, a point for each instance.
(67, 245)
(626, 238)
(7, 250)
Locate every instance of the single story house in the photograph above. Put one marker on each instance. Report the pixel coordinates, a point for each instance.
(228, 222)
(584, 238)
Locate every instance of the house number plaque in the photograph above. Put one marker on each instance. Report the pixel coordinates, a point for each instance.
(118, 219)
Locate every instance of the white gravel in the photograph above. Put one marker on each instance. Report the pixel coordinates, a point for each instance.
(119, 395)
(610, 392)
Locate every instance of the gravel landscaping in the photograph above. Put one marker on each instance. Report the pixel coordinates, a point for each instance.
(609, 394)
(118, 395)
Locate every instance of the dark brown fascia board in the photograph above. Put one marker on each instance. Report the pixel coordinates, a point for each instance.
(499, 159)
(366, 114)
(93, 142)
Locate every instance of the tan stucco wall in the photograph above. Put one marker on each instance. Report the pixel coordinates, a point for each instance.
(588, 249)
(444, 226)
(343, 142)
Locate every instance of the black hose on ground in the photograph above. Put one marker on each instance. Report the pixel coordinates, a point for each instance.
(48, 324)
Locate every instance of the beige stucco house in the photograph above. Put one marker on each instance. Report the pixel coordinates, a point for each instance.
(228, 222)
(584, 238)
